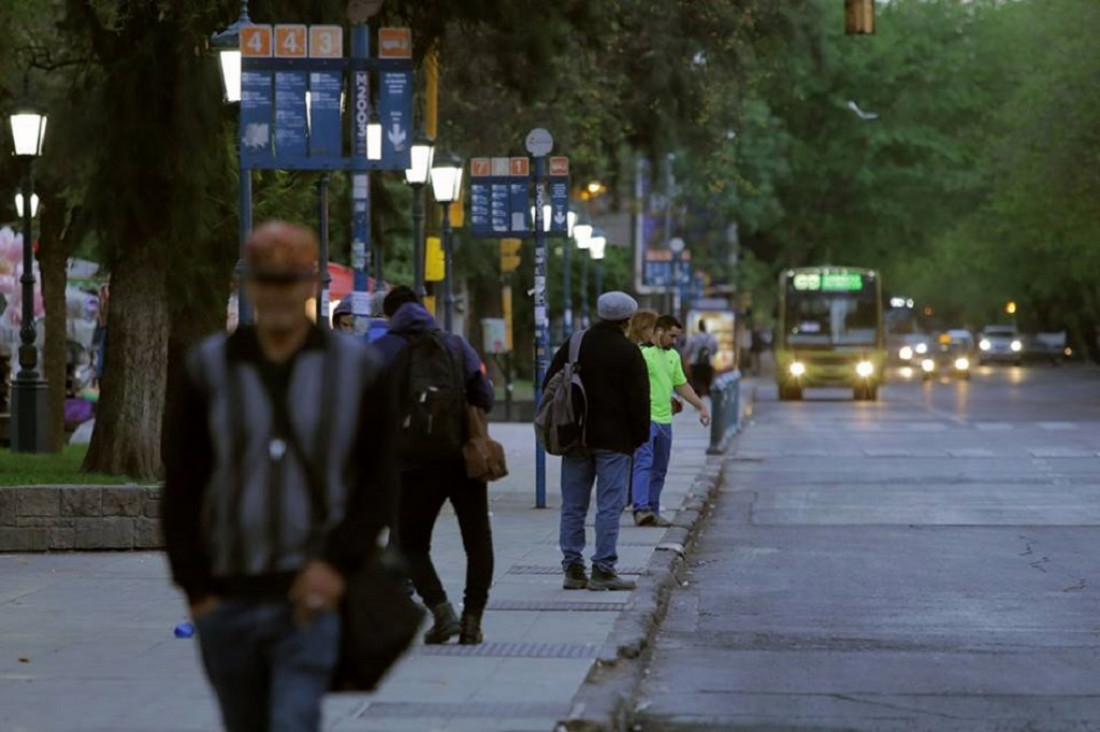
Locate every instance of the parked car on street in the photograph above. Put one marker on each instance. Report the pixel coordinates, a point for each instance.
(1000, 343)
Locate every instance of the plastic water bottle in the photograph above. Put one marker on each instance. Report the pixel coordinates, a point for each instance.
(185, 630)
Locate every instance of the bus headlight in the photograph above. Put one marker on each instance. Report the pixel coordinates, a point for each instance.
(865, 368)
(906, 353)
(1017, 346)
(962, 364)
(922, 348)
(984, 344)
(797, 368)
(928, 365)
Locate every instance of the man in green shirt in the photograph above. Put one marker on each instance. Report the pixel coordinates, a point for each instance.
(666, 375)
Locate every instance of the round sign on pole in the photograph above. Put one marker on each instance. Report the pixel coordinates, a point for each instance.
(676, 244)
(539, 142)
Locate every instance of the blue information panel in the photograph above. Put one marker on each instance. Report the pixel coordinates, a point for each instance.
(290, 114)
(559, 206)
(395, 113)
(480, 222)
(325, 129)
(519, 204)
(257, 114)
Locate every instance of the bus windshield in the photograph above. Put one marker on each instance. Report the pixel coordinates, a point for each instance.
(831, 318)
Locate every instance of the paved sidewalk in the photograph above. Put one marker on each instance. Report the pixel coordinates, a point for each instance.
(86, 641)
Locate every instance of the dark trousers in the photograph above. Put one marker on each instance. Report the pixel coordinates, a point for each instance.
(423, 492)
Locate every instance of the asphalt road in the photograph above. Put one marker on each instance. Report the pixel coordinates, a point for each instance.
(927, 562)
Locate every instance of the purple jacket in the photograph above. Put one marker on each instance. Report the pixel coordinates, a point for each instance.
(413, 319)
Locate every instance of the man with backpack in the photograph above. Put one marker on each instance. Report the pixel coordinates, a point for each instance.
(437, 375)
(613, 419)
(279, 479)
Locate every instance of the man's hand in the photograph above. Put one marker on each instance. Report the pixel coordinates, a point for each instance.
(203, 607)
(704, 415)
(317, 587)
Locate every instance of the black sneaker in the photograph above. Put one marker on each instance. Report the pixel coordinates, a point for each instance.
(575, 578)
(603, 580)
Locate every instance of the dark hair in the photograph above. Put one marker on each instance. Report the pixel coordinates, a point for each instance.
(395, 298)
(668, 322)
(702, 326)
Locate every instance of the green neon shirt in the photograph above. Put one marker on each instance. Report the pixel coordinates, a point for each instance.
(666, 372)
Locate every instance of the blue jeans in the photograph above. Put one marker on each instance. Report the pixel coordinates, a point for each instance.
(650, 468)
(579, 470)
(268, 673)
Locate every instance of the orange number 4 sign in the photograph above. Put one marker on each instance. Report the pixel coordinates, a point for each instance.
(256, 40)
(290, 41)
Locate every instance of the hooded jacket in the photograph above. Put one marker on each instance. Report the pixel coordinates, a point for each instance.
(412, 319)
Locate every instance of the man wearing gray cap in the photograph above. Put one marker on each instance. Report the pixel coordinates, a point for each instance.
(616, 383)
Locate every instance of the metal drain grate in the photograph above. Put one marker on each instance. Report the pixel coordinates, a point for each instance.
(516, 650)
(612, 607)
(447, 710)
(540, 569)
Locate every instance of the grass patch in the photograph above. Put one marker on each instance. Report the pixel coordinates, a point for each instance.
(61, 468)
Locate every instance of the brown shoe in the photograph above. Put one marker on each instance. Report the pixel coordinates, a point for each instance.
(603, 580)
(659, 520)
(644, 518)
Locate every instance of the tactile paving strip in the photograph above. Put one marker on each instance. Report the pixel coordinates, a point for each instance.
(567, 605)
(447, 710)
(516, 650)
(541, 569)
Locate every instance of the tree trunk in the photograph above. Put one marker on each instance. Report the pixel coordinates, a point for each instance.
(126, 440)
(52, 258)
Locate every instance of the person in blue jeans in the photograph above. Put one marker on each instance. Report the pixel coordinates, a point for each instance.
(279, 479)
(617, 422)
(666, 376)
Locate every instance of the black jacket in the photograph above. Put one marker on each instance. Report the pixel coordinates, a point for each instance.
(616, 382)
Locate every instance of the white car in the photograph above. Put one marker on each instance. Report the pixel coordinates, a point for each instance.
(1000, 343)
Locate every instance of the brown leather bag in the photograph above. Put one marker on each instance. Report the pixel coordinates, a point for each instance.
(484, 456)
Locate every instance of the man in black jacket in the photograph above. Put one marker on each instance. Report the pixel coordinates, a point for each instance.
(279, 478)
(616, 383)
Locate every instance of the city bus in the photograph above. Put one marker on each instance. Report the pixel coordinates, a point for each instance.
(830, 331)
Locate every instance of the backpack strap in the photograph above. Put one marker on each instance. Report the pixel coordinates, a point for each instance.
(575, 348)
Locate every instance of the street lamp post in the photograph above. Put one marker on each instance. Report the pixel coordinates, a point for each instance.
(29, 404)
(228, 44)
(446, 186)
(421, 153)
(582, 234)
(596, 247)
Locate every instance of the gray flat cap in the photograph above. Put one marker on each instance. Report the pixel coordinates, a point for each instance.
(616, 306)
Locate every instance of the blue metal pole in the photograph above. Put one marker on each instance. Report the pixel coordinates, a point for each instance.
(584, 288)
(326, 278)
(542, 326)
(448, 276)
(360, 189)
(244, 311)
(567, 293)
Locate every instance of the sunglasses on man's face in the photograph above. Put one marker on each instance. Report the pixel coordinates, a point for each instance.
(262, 277)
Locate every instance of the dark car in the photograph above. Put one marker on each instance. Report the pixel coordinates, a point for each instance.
(950, 355)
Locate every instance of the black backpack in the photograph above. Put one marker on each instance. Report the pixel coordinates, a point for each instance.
(432, 399)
